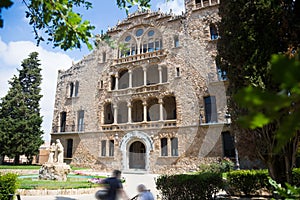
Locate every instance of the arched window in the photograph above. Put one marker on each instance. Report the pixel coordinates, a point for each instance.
(71, 87)
(152, 109)
(123, 79)
(152, 75)
(213, 32)
(211, 115)
(164, 146)
(137, 77)
(169, 107)
(174, 146)
(108, 114)
(164, 74)
(76, 88)
(176, 41)
(122, 112)
(69, 148)
(149, 40)
(128, 46)
(104, 57)
(137, 111)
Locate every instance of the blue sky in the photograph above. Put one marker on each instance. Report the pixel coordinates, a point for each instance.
(17, 41)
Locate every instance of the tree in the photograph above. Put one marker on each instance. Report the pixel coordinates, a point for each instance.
(20, 120)
(61, 24)
(251, 31)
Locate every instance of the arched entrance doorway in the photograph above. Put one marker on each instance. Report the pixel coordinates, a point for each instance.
(137, 155)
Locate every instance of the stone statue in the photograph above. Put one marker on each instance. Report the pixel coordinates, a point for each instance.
(55, 168)
(52, 153)
(60, 152)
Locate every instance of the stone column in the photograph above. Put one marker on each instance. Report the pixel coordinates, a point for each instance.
(129, 111)
(169, 147)
(161, 109)
(115, 106)
(145, 110)
(160, 73)
(117, 81)
(145, 76)
(130, 78)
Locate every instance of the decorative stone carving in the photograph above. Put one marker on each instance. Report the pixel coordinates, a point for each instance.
(54, 171)
(55, 168)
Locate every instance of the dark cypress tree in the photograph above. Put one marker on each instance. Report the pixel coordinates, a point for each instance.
(20, 123)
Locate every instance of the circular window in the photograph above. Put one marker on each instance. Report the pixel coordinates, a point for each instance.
(150, 33)
(128, 38)
(139, 32)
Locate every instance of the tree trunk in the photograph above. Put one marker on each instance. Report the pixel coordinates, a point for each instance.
(281, 165)
(17, 160)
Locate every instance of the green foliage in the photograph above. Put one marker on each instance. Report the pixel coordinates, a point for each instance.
(189, 186)
(247, 182)
(20, 124)
(289, 192)
(276, 105)
(296, 177)
(127, 4)
(251, 32)
(8, 185)
(225, 165)
(61, 24)
(4, 4)
(29, 167)
(71, 183)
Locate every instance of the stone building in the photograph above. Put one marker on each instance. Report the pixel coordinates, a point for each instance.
(152, 99)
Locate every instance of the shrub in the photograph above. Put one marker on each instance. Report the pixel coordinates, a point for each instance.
(289, 192)
(296, 177)
(247, 182)
(225, 165)
(8, 185)
(189, 186)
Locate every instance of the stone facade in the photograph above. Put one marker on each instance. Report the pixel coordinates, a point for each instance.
(152, 100)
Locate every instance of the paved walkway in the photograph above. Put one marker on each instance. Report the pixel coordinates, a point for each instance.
(132, 181)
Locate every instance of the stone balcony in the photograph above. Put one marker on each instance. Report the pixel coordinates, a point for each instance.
(139, 90)
(139, 125)
(139, 57)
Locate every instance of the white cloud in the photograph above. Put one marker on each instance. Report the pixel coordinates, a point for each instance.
(11, 56)
(177, 6)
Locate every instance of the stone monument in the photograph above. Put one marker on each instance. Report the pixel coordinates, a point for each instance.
(55, 168)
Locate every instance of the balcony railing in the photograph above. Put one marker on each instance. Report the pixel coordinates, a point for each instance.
(68, 128)
(140, 125)
(206, 3)
(138, 57)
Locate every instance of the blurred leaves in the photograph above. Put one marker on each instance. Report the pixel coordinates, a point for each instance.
(4, 4)
(56, 21)
(265, 106)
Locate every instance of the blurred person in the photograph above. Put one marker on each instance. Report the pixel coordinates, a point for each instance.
(114, 187)
(144, 194)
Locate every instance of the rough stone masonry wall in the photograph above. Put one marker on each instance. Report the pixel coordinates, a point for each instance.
(195, 57)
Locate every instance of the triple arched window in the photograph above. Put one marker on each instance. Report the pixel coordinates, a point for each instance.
(140, 40)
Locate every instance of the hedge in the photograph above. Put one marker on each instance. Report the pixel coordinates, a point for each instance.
(247, 182)
(189, 186)
(8, 185)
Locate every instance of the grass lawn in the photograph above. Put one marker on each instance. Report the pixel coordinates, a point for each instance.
(52, 185)
(73, 182)
(32, 167)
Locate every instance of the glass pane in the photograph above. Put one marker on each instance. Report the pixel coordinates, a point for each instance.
(139, 32)
(150, 33)
(128, 38)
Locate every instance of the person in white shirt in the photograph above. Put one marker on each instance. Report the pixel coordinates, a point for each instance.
(144, 194)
